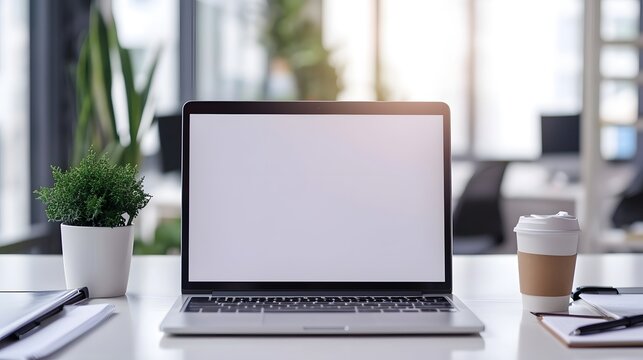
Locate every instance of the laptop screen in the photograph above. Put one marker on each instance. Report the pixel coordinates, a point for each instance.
(316, 198)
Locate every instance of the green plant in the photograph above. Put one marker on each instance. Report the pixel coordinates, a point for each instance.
(102, 57)
(291, 34)
(166, 241)
(94, 193)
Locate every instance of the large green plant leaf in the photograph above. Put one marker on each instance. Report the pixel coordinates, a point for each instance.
(101, 57)
(133, 98)
(143, 97)
(127, 72)
(101, 78)
(83, 103)
(147, 85)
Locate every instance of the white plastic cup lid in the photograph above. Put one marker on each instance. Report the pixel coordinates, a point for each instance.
(560, 222)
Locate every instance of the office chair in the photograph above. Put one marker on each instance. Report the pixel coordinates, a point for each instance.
(630, 208)
(477, 219)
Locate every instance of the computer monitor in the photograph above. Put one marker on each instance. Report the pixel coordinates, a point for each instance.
(560, 134)
(560, 140)
(170, 142)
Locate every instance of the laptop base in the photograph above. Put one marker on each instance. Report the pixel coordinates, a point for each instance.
(179, 322)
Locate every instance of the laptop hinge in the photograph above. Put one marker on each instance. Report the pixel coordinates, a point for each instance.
(316, 293)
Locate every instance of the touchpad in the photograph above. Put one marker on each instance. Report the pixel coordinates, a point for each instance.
(318, 322)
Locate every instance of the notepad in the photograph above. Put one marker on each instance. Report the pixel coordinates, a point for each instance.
(616, 306)
(72, 322)
(22, 310)
(561, 327)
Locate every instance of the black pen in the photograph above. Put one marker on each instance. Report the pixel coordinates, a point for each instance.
(623, 322)
(541, 314)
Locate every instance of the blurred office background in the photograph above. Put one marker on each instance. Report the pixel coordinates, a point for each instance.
(545, 98)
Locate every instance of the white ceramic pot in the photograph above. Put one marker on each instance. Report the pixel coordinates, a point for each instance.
(97, 257)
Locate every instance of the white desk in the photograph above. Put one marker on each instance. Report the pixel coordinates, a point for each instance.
(488, 284)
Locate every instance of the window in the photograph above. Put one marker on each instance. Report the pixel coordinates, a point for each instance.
(619, 71)
(528, 63)
(262, 50)
(353, 50)
(230, 59)
(499, 64)
(14, 119)
(425, 52)
(146, 27)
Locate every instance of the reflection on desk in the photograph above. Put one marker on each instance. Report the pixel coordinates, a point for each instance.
(487, 284)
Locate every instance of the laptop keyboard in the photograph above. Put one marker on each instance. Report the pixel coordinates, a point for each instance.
(320, 304)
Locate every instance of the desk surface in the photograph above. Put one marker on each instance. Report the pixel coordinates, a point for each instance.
(487, 284)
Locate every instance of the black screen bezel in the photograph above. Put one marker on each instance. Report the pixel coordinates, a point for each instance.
(311, 107)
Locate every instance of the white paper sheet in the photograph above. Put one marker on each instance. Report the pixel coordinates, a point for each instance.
(72, 322)
(562, 326)
(616, 305)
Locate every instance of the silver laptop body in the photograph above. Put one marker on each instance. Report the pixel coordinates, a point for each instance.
(317, 218)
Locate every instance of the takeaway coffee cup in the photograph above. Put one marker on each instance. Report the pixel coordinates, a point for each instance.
(547, 248)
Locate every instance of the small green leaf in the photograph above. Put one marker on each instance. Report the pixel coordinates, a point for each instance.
(97, 192)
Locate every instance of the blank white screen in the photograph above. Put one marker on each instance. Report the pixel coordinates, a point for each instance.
(316, 198)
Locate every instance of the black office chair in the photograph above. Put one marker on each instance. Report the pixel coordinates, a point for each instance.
(630, 208)
(477, 219)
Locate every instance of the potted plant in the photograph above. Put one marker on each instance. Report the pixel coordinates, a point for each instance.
(96, 201)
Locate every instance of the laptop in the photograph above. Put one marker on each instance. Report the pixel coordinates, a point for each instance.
(317, 218)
